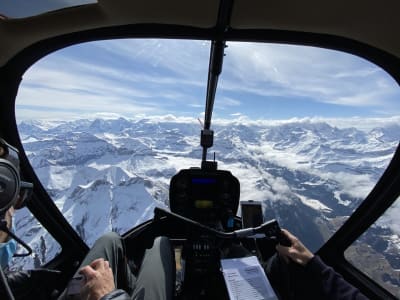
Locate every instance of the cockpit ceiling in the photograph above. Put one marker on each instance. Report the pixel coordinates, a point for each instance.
(363, 21)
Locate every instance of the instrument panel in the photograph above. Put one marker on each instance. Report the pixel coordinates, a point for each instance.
(210, 197)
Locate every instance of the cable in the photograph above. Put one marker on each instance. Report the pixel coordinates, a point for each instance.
(3, 227)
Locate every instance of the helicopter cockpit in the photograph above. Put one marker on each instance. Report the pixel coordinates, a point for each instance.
(202, 222)
(333, 184)
(205, 229)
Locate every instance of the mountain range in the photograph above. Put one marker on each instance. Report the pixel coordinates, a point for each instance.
(109, 174)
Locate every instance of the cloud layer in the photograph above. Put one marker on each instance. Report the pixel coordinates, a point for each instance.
(149, 76)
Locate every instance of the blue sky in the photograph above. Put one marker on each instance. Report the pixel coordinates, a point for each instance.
(158, 77)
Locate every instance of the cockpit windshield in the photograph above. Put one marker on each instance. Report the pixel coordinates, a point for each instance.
(106, 125)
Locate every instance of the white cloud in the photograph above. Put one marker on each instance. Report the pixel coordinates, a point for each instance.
(82, 87)
(223, 102)
(365, 124)
(357, 186)
(390, 218)
(169, 76)
(313, 203)
(324, 75)
(189, 59)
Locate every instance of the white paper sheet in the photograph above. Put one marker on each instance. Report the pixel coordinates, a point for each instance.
(245, 279)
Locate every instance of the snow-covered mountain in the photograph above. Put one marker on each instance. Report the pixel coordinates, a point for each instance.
(109, 174)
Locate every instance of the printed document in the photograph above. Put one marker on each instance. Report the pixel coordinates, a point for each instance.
(245, 279)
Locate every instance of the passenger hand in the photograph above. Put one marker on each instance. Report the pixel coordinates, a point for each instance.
(99, 280)
(296, 252)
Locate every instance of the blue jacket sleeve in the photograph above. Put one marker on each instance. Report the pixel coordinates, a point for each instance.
(333, 285)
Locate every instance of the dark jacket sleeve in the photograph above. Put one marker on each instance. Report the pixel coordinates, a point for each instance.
(333, 285)
(116, 295)
(32, 284)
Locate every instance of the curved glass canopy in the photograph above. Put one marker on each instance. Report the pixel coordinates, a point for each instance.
(307, 131)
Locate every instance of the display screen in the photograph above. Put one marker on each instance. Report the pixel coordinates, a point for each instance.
(251, 215)
(203, 204)
(207, 196)
(204, 192)
(204, 181)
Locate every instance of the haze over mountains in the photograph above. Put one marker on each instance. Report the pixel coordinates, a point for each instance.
(109, 174)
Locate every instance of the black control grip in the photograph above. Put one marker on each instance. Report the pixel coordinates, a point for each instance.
(271, 229)
(284, 240)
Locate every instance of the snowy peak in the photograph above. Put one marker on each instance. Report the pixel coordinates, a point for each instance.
(109, 174)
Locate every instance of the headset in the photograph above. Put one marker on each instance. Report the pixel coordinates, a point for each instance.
(11, 185)
(13, 191)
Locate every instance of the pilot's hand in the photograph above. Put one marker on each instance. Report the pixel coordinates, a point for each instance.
(99, 280)
(297, 252)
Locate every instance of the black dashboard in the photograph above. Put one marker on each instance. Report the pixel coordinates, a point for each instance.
(210, 197)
